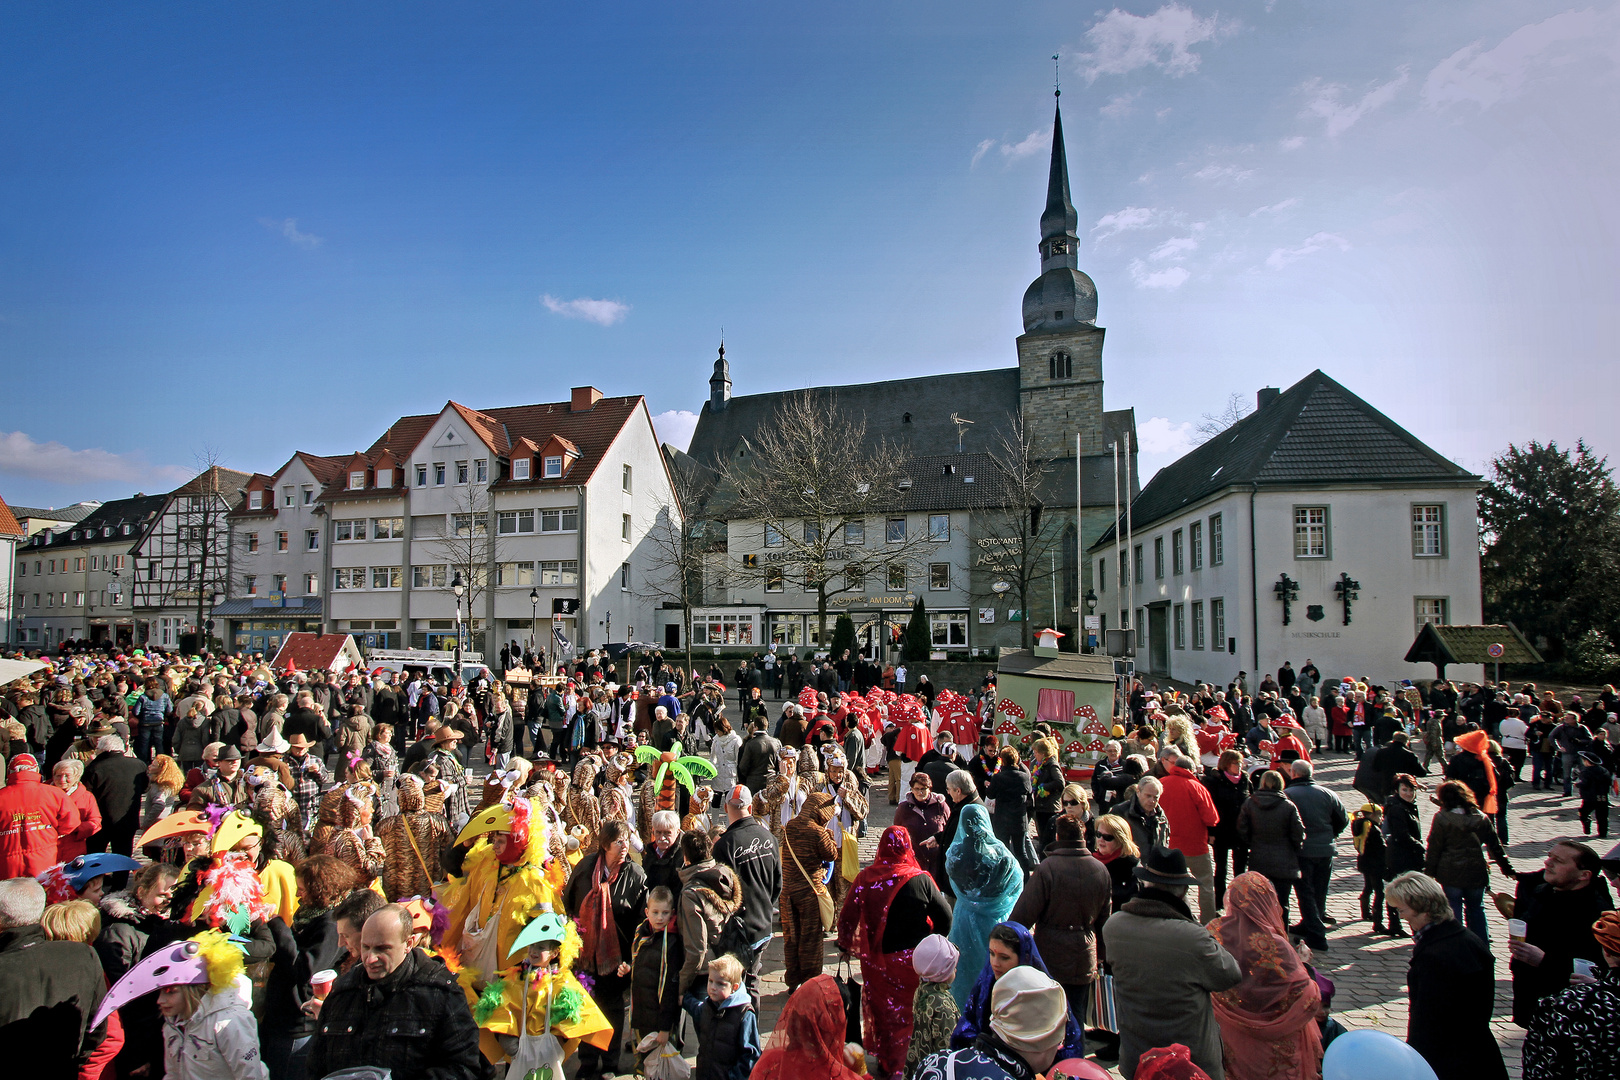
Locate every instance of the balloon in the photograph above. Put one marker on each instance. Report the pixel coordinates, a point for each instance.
(1373, 1055)
(1081, 1069)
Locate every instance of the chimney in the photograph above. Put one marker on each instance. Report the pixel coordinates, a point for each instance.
(584, 399)
(1266, 396)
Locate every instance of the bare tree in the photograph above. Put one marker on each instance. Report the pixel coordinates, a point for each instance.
(1016, 540)
(684, 545)
(1212, 424)
(471, 547)
(811, 504)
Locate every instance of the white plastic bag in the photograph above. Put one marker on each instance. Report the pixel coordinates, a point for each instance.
(663, 1062)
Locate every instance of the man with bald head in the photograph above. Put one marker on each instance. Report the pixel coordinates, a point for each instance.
(398, 1009)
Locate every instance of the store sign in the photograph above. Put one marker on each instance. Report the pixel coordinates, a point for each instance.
(902, 601)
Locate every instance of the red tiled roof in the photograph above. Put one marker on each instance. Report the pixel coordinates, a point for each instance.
(324, 469)
(215, 478)
(488, 428)
(8, 521)
(592, 432)
(267, 507)
(309, 652)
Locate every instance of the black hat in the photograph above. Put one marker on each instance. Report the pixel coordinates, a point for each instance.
(230, 753)
(1164, 866)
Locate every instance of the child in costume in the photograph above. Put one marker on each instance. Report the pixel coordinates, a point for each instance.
(933, 1010)
(84, 877)
(1367, 830)
(208, 1030)
(728, 1030)
(655, 970)
(536, 997)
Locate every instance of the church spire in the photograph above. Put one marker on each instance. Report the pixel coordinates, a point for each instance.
(720, 383)
(1062, 297)
(1059, 221)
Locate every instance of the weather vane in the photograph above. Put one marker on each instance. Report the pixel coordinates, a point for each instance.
(1057, 87)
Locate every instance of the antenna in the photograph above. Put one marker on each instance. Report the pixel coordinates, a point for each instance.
(961, 429)
(1057, 87)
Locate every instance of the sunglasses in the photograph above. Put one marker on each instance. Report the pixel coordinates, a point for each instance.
(1106, 835)
(1070, 802)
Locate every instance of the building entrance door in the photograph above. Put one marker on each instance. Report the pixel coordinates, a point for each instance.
(1158, 617)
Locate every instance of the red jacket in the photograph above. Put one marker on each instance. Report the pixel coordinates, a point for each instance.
(1189, 810)
(71, 845)
(33, 819)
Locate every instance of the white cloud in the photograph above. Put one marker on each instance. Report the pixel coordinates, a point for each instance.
(1177, 248)
(1218, 173)
(675, 427)
(1530, 52)
(1327, 101)
(601, 312)
(1275, 208)
(1161, 435)
(1321, 241)
(1293, 142)
(1132, 217)
(982, 149)
(20, 455)
(1034, 143)
(1121, 42)
(288, 227)
(1169, 277)
(1119, 105)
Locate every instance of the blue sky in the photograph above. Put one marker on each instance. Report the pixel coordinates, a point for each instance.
(261, 228)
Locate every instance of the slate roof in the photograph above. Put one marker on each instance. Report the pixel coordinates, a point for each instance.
(134, 512)
(1467, 645)
(1315, 432)
(1090, 667)
(76, 512)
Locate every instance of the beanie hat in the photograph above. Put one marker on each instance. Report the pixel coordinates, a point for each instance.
(23, 765)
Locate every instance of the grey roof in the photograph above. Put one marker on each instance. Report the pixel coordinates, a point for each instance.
(133, 511)
(76, 512)
(267, 607)
(1315, 432)
(1092, 667)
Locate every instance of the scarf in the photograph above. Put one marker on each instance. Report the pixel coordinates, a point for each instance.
(1478, 743)
(599, 932)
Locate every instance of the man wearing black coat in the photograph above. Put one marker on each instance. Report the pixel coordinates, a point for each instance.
(758, 757)
(118, 782)
(748, 847)
(1451, 985)
(49, 990)
(1386, 763)
(1558, 903)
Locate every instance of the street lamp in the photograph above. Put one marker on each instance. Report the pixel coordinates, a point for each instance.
(1091, 609)
(458, 587)
(534, 616)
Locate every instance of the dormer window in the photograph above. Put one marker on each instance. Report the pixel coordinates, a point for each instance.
(357, 479)
(385, 478)
(255, 500)
(553, 466)
(520, 468)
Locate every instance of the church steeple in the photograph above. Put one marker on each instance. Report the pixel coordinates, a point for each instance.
(1062, 297)
(720, 383)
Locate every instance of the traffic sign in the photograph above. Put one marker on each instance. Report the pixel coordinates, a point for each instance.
(1494, 651)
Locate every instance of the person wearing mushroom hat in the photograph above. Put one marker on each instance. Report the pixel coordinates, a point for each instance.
(1029, 1017)
(809, 854)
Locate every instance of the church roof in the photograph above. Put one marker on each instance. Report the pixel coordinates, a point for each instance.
(1315, 432)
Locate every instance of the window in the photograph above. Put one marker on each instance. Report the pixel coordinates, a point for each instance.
(1429, 530)
(1180, 616)
(624, 568)
(520, 468)
(1195, 544)
(50, 599)
(438, 474)
(624, 527)
(436, 576)
(775, 580)
(78, 599)
(78, 565)
(1177, 552)
(773, 536)
(193, 569)
(461, 472)
(357, 479)
(385, 577)
(1310, 532)
(1102, 575)
(939, 527)
(255, 500)
(348, 577)
(312, 540)
(252, 543)
(511, 574)
(151, 570)
(565, 572)
(118, 562)
(481, 470)
(309, 495)
(894, 530)
(251, 584)
(1060, 366)
(1432, 609)
(508, 522)
(1216, 553)
(388, 528)
(939, 576)
(312, 584)
(947, 628)
(812, 532)
(470, 525)
(723, 630)
(289, 496)
(897, 577)
(1198, 624)
(627, 485)
(1217, 624)
(810, 582)
(854, 534)
(559, 521)
(349, 530)
(385, 478)
(281, 541)
(1158, 557)
(553, 466)
(421, 476)
(52, 565)
(1138, 563)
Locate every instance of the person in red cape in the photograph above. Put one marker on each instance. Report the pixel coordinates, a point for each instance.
(808, 1040)
(892, 905)
(1268, 1021)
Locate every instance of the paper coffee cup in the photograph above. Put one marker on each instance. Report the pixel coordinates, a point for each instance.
(1516, 929)
(321, 982)
(1584, 967)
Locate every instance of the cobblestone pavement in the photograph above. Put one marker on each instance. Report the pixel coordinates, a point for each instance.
(1369, 972)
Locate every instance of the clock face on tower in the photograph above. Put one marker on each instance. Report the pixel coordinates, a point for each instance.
(1060, 247)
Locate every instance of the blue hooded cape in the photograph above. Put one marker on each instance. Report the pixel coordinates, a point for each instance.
(976, 1014)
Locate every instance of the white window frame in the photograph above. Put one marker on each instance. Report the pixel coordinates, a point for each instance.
(312, 539)
(773, 536)
(1439, 612)
(421, 475)
(390, 528)
(1178, 619)
(894, 530)
(289, 495)
(1217, 623)
(624, 572)
(1217, 543)
(560, 517)
(357, 479)
(255, 500)
(438, 474)
(385, 478)
(553, 466)
(1428, 530)
(520, 468)
(1195, 545)
(1313, 531)
(939, 528)
(463, 473)
(624, 527)
(481, 470)
(859, 539)
(1198, 624)
(629, 478)
(391, 577)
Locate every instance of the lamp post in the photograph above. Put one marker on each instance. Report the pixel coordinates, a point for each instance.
(1091, 609)
(534, 616)
(458, 587)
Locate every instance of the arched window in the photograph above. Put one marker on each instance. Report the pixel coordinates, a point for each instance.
(1061, 366)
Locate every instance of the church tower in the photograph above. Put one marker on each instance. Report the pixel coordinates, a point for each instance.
(720, 383)
(1060, 351)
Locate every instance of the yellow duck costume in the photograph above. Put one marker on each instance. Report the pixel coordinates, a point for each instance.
(524, 995)
(279, 886)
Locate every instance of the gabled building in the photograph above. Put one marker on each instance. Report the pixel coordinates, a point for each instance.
(11, 533)
(1314, 528)
(950, 426)
(72, 581)
(182, 561)
(543, 511)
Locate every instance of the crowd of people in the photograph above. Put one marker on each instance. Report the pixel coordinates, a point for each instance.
(213, 868)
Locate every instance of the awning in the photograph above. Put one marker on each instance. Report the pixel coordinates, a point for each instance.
(12, 670)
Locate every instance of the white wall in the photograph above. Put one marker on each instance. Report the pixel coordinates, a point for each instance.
(295, 520)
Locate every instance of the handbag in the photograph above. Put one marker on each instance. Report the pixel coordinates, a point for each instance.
(850, 991)
(850, 856)
(1103, 1015)
(824, 899)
